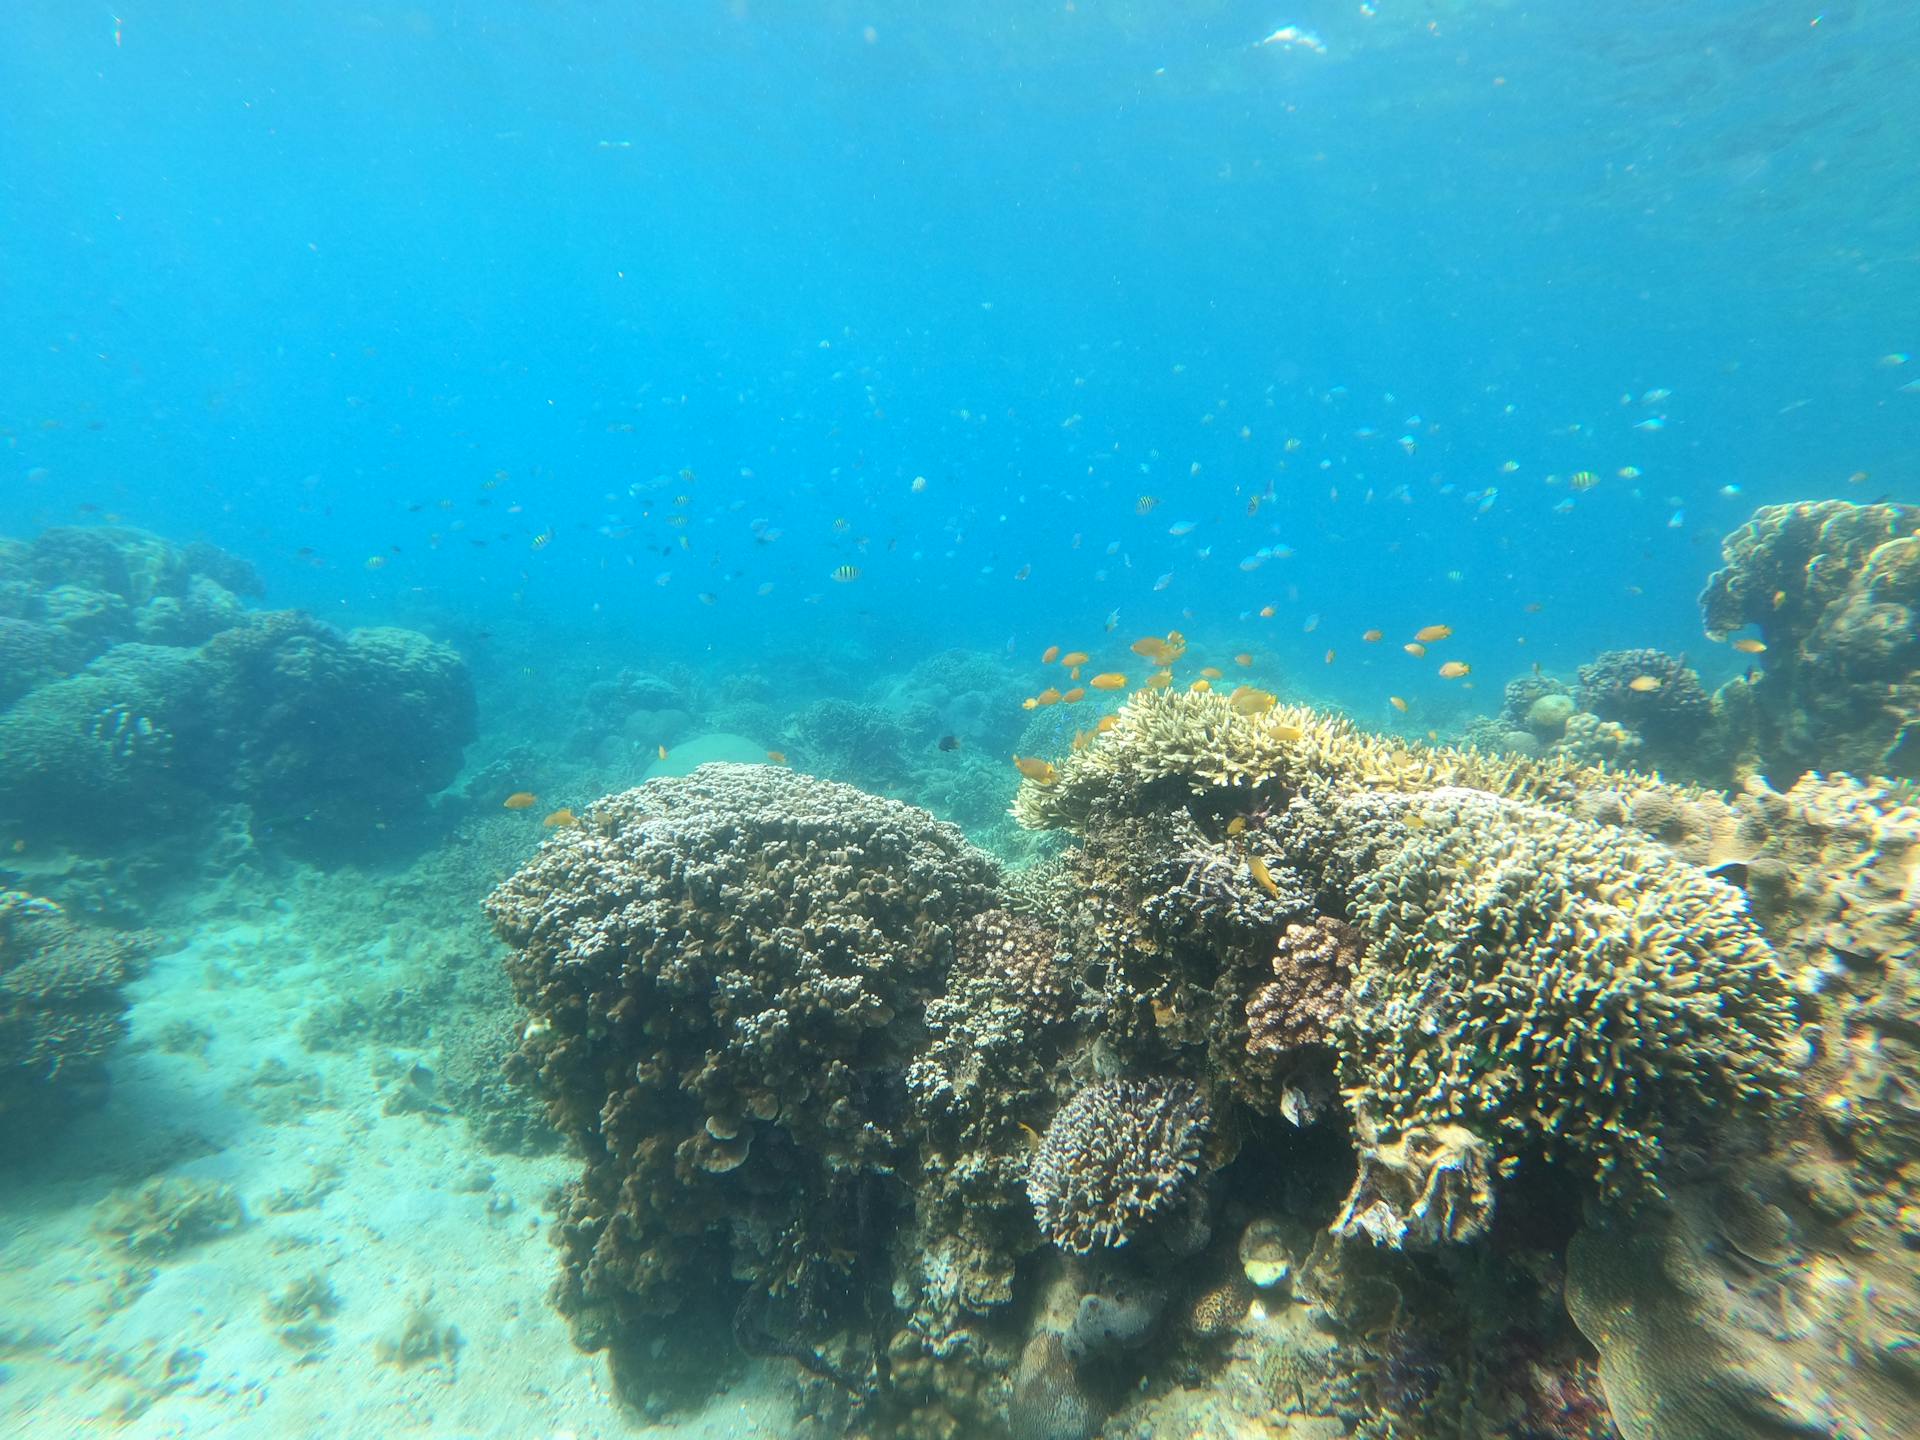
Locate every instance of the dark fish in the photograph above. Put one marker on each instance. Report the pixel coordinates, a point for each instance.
(949, 742)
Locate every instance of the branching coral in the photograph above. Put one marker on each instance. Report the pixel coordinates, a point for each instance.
(1550, 985)
(1118, 1156)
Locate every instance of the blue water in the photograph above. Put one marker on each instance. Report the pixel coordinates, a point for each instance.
(304, 279)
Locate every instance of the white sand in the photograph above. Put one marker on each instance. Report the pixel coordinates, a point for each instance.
(413, 1221)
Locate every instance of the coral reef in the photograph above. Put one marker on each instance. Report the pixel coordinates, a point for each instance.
(148, 704)
(1119, 1156)
(1833, 589)
(725, 975)
(61, 1007)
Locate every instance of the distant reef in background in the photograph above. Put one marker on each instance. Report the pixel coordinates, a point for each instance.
(148, 715)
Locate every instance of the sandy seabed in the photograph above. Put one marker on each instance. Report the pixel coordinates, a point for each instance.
(416, 1229)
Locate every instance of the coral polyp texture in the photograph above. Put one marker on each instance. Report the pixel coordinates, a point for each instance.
(1833, 589)
(726, 975)
(1118, 1156)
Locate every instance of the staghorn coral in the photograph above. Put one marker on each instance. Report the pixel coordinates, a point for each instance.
(1549, 984)
(1834, 589)
(1119, 1156)
(61, 1007)
(725, 974)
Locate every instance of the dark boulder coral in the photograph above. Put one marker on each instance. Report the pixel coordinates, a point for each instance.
(1834, 590)
(727, 974)
(140, 711)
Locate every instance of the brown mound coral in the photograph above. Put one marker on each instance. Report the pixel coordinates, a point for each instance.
(1308, 993)
(714, 967)
(1119, 1155)
(1833, 588)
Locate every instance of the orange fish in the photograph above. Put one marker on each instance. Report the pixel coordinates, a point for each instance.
(1747, 645)
(1243, 659)
(1372, 637)
(778, 757)
(1397, 703)
(1431, 634)
(1454, 669)
(1109, 680)
(1073, 658)
(1075, 695)
(1414, 648)
(1041, 772)
(1048, 696)
(560, 819)
(1050, 654)
(521, 800)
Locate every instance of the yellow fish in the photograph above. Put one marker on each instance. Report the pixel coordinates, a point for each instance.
(1644, 684)
(1041, 772)
(778, 757)
(1454, 669)
(1583, 480)
(1108, 680)
(1244, 660)
(1330, 654)
(1107, 722)
(1050, 654)
(1237, 825)
(1372, 637)
(560, 819)
(1075, 695)
(1074, 658)
(1210, 672)
(1414, 648)
(1267, 612)
(1248, 701)
(520, 800)
(1430, 634)
(1286, 734)
(1397, 703)
(1159, 679)
(661, 750)
(1200, 687)
(1747, 645)
(1048, 696)
(1263, 875)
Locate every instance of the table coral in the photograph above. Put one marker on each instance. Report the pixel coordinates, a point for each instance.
(61, 1007)
(725, 975)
